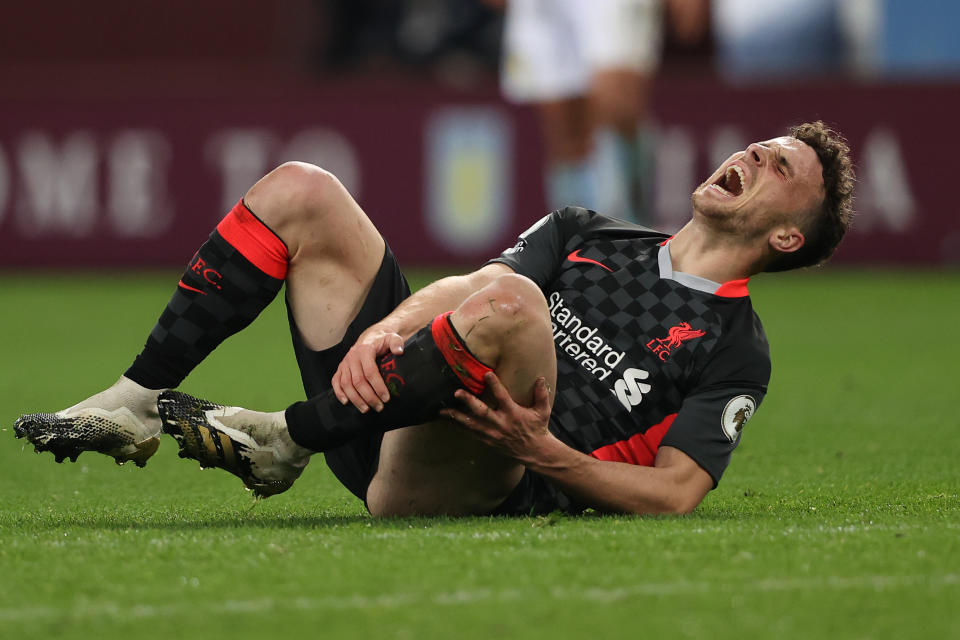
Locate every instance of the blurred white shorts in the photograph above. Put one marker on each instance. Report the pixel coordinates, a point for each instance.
(551, 48)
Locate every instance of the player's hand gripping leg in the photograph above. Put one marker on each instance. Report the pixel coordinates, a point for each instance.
(358, 379)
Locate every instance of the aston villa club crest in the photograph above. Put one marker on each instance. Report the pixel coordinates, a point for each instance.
(676, 336)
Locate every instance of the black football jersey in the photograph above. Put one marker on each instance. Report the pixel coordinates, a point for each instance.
(646, 357)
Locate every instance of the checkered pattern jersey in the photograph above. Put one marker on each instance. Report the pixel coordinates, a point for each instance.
(626, 383)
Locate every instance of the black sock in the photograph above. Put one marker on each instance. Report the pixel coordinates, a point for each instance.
(230, 280)
(435, 363)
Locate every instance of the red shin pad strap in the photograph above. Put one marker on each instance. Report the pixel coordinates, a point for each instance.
(255, 241)
(464, 364)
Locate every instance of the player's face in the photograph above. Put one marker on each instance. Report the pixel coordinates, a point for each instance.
(770, 183)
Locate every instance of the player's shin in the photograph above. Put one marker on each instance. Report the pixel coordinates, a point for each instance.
(435, 363)
(228, 282)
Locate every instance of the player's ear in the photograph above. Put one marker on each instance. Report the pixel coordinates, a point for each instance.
(786, 239)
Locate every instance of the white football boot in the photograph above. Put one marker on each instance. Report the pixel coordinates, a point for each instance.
(121, 422)
(252, 445)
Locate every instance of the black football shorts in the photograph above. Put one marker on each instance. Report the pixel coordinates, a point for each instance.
(355, 463)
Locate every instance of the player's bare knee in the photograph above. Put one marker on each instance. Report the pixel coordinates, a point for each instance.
(295, 190)
(296, 196)
(522, 298)
(510, 310)
(509, 300)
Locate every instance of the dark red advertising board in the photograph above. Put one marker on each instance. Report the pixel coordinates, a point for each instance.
(449, 177)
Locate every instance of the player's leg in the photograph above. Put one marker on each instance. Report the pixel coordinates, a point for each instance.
(619, 100)
(438, 468)
(622, 40)
(335, 251)
(306, 231)
(229, 280)
(434, 467)
(570, 176)
(543, 65)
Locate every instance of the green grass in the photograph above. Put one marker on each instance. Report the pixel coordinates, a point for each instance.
(839, 516)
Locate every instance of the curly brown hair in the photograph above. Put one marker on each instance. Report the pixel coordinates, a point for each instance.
(824, 229)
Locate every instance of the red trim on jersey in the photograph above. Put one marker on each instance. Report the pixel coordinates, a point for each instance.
(640, 449)
(255, 241)
(666, 241)
(470, 370)
(733, 289)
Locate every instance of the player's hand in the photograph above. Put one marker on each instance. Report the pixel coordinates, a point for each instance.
(513, 429)
(358, 378)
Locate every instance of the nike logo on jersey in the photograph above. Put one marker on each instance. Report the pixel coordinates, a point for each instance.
(576, 257)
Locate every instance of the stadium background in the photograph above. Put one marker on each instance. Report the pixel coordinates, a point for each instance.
(128, 129)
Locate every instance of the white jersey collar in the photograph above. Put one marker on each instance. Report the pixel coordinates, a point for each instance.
(687, 280)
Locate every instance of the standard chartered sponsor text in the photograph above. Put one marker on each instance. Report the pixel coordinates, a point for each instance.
(580, 341)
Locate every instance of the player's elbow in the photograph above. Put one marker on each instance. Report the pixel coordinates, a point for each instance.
(672, 501)
(683, 499)
(682, 483)
(682, 505)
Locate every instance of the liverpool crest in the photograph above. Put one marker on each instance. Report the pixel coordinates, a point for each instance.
(675, 337)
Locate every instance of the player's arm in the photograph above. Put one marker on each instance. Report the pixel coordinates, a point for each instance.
(675, 484)
(357, 379)
(535, 255)
(443, 295)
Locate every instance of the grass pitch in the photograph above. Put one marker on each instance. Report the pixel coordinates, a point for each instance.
(839, 516)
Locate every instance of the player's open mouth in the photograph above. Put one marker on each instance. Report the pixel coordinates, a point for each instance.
(731, 182)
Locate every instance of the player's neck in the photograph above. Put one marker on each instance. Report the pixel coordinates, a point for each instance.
(700, 251)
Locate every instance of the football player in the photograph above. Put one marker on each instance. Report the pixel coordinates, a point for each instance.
(595, 364)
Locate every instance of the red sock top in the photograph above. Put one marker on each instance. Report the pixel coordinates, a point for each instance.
(255, 241)
(455, 352)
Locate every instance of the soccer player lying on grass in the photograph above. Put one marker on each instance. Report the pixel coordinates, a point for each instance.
(594, 364)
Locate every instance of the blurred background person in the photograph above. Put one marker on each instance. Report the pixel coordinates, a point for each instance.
(870, 38)
(799, 37)
(455, 41)
(588, 67)
(122, 122)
